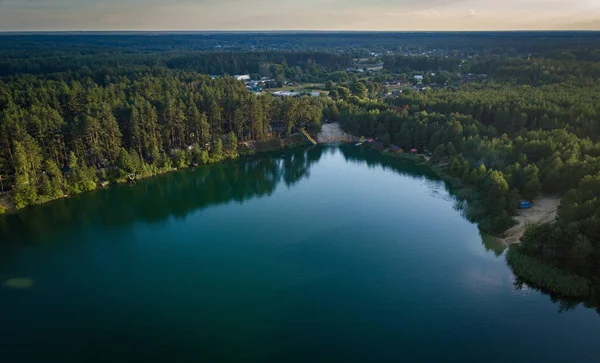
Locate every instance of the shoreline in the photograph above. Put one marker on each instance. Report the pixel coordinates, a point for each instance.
(249, 148)
(544, 207)
(526, 269)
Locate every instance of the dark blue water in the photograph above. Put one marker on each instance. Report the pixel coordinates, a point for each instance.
(326, 255)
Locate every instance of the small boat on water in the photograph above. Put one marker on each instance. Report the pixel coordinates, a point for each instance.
(358, 144)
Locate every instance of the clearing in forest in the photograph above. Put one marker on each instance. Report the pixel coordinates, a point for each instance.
(543, 210)
(332, 132)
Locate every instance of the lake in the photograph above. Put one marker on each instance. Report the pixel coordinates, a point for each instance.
(330, 254)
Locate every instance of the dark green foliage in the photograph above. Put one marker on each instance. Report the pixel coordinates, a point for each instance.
(546, 277)
(125, 163)
(61, 136)
(385, 139)
(80, 178)
(216, 152)
(421, 63)
(359, 89)
(25, 189)
(232, 142)
(181, 158)
(343, 92)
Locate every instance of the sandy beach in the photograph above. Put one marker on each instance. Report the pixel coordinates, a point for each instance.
(543, 210)
(332, 132)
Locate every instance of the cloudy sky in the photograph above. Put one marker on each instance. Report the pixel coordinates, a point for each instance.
(299, 14)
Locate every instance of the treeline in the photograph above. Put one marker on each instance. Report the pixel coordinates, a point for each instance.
(61, 138)
(302, 65)
(522, 69)
(510, 109)
(525, 56)
(540, 70)
(401, 64)
(266, 64)
(579, 45)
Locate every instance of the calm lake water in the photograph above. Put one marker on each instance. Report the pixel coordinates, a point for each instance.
(332, 254)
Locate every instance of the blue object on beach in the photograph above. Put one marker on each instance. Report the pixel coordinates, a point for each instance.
(525, 205)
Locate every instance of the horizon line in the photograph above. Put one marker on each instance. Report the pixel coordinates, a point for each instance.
(306, 31)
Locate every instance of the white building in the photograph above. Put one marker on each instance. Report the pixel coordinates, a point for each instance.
(285, 94)
(242, 77)
(295, 94)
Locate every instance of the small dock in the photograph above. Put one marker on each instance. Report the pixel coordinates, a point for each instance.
(312, 141)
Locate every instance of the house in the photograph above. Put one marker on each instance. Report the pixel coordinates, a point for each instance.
(419, 78)
(242, 77)
(294, 94)
(285, 94)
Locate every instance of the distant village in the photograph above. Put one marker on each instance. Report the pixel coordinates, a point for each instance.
(265, 83)
(368, 68)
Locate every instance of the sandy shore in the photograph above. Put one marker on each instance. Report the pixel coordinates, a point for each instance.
(543, 210)
(332, 132)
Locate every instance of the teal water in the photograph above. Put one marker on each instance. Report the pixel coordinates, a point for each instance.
(332, 254)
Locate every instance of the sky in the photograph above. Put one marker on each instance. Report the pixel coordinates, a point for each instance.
(401, 15)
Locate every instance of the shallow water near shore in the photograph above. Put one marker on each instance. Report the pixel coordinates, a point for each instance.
(332, 253)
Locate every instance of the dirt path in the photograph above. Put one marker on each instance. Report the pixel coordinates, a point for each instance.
(332, 132)
(543, 210)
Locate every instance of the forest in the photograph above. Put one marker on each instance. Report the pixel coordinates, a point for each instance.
(81, 111)
(64, 138)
